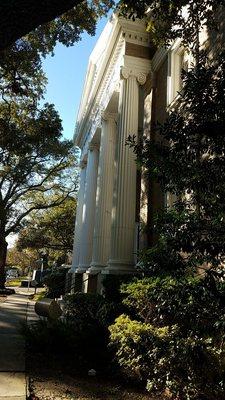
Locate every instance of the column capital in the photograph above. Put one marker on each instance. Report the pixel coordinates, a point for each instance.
(126, 72)
(106, 115)
(83, 164)
(93, 146)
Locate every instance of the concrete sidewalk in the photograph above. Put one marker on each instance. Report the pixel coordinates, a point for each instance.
(13, 312)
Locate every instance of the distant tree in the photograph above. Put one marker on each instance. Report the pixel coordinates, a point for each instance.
(52, 20)
(36, 162)
(22, 259)
(50, 230)
(34, 159)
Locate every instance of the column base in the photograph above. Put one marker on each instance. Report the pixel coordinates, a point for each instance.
(82, 268)
(96, 268)
(118, 267)
(93, 282)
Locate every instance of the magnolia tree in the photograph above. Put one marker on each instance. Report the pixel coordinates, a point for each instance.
(173, 338)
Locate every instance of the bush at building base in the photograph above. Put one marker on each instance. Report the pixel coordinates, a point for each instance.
(176, 343)
(79, 341)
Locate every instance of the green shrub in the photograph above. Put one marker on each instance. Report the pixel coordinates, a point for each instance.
(111, 287)
(176, 342)
(81, 340)
(137, 341)
(82, 307)
(75, 346)
(55, 282)
(86, 308)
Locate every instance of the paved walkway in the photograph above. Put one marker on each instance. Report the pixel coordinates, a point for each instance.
(14, 311)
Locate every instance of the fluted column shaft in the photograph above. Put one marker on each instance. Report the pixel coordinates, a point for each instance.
(123, 213)
(86, 242)
(102, 231)
(79, 215)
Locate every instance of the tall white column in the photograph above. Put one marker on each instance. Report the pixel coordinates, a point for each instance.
(102, 231)
(79, 215)
(122, 258)
(86, 241)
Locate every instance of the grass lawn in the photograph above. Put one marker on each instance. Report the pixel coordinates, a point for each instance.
(38, 296)
(14, 282)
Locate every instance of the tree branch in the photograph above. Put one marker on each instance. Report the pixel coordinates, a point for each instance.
(58, 202)
(19, 17)
(36, 187)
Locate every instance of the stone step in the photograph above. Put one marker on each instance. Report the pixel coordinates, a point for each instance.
(12, 386)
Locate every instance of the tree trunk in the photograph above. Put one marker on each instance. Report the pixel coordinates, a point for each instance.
(3, 254)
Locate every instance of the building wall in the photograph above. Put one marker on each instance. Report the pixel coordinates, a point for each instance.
(129, 88)
(155, 111)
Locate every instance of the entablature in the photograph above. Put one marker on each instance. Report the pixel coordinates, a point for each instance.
(129, 43)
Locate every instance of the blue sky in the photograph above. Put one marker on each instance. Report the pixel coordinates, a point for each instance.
(66, 73)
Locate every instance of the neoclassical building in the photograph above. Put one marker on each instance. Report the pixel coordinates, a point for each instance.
(129, 85)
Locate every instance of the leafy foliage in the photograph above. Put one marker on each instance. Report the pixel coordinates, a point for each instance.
(111, 287)
(189, 162)
(82, 336)
(36, 167)
(51, 21)
(36, 162)
(55, 280)
(176, 342)
(92, 308)
(169, 20)
(21, 259)
(50, 230)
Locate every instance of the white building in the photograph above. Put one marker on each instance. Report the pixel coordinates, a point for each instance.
(128, 86)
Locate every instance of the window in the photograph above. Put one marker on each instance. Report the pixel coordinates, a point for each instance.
(178, 59)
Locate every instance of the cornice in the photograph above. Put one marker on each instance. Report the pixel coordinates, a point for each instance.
(89, 113)
(106, 79)
(141, 39)
(138, 35)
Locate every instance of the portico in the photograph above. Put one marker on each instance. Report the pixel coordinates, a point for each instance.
(111, 109)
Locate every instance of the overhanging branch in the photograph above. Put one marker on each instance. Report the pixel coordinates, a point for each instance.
(42, 206)
(19, 17)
